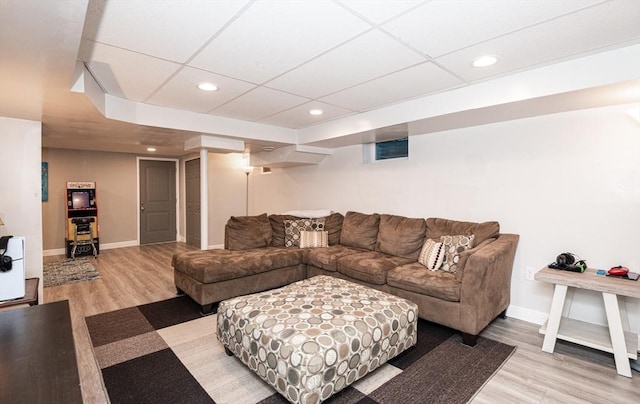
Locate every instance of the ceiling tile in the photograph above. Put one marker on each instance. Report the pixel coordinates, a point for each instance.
(371, 55)
(611, 24)
(181, 91)
(409, 83)
(271, 38)
(124, 73)
(299, 116)
(259, 103)
(379, 11)
(170, 29)
(441, 27)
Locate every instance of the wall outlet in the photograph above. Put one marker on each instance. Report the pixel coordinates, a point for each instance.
(529, 273)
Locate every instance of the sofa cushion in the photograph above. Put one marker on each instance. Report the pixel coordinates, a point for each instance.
(437, 228)
(413, 277)
(432, 254)
(360, 230)
(247, 232)
(313, 239)
(292, 229)
(369, 266)
(333, 224)
(453, 246)
(401, 236)
(210, 266)
(327, 258)
(277, 228)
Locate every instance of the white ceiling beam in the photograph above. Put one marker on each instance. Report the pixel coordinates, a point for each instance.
(214, 143)
(152, 115)
(591, 71)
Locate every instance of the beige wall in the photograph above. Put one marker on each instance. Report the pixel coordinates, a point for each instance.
(227, 190)
(564, 182)
(115, 175)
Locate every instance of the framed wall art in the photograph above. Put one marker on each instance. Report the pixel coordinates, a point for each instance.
(45, 181)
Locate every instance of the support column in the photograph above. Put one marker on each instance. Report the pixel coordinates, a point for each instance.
(204, 199)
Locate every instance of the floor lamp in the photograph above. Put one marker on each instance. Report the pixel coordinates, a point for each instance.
(247, 170)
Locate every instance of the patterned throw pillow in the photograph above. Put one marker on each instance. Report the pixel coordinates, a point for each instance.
(314, 239)
(453, 246)
(292, 229)
(432, 255)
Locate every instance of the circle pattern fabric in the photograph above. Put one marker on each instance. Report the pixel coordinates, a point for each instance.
(292, 229)
(313, 338)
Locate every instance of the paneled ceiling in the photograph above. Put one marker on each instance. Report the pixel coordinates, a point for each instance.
(274, 61)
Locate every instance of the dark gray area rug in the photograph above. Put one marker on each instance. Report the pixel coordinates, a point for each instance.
(165, 352)
(68, 271)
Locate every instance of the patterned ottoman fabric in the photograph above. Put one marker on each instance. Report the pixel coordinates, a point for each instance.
(312, 338)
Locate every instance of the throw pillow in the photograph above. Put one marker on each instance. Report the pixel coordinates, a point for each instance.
(309, 239)
(453, 246)
(432, 254)
(292, 229)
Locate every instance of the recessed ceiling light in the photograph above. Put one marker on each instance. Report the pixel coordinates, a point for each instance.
(485, 61)
(268, 148)
(151, 149)
(316, 112)
(207, 87)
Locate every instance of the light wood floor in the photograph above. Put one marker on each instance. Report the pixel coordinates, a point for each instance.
(138, 275)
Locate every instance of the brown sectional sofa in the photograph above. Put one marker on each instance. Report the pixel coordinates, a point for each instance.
(377, 250)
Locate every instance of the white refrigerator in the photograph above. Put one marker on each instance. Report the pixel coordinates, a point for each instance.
(12, 280)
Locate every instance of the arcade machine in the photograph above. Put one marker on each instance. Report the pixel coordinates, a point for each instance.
(82, 220)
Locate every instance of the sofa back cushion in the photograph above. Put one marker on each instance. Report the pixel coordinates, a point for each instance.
(437, 227)
(360, 230)
(333, 225)
(401, 236)
(277, 228)
(247, 232)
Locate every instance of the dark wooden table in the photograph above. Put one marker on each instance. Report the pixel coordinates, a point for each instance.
(38, 356)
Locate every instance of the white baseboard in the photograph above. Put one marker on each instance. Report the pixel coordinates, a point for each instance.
(524, 314)
(108, 246)
(120, 244)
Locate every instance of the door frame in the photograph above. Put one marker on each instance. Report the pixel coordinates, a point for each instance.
(177, 183)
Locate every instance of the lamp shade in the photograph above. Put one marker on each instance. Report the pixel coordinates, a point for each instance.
(1, 222)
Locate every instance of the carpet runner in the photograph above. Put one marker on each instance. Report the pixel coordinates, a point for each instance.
(165, 352)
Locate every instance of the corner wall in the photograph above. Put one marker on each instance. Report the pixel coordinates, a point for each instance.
(20, 188)
(564, 182)
(227, 193)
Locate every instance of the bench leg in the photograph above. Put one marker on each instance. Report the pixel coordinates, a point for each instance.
(179, 291)
(470, 340)
(228, 351)
(503, 315)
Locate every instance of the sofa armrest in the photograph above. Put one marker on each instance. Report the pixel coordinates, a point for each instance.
(486, 284)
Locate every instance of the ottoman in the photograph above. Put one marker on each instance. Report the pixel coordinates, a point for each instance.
(314, 337)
